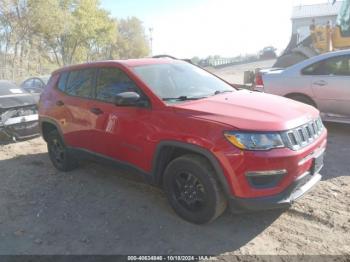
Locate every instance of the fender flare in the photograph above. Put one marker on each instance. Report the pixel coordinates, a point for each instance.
(43, 120)
(157, 168)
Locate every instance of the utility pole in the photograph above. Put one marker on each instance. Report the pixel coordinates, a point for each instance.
(151, 39)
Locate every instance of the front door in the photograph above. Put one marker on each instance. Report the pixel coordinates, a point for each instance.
(120, 132)
(330, 80)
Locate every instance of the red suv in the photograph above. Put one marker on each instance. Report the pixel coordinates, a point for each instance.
(207, 144)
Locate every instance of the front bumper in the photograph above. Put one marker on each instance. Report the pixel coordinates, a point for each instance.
(297, 189)
(239, 168)
(20, 128)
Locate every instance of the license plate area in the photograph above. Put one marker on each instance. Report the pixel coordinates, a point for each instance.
(317, 164)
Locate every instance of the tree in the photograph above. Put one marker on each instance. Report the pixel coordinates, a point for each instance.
(73, 29)
(94, 31)
(37, 34)
(195, 60)
(132, 41)
(14, 28)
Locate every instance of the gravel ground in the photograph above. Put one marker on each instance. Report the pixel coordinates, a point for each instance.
(100, 210)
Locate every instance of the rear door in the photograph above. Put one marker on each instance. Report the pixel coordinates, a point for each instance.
(73, 104)
(331, 84)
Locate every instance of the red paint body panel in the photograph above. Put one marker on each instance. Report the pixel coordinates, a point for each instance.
(131, 134)
(252, 111)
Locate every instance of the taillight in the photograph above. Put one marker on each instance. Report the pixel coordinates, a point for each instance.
(258, 79)
(259, 83)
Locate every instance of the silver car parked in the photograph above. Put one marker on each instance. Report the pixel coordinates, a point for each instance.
(322, 81)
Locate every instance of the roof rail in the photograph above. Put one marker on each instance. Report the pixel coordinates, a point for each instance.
(172, 57)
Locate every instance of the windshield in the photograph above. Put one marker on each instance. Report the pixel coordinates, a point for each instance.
(181, 81)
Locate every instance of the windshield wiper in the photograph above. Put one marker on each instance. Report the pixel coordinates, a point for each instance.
(182, 98)
(222, 91)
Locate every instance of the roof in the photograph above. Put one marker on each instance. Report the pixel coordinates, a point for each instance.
(317, 10)
(127, 63)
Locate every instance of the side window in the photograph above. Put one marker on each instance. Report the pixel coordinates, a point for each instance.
(113, 81)
(338, 66)
(27, 84)
(62, 81)
(314, 69)
(80, 83)
(38, 83)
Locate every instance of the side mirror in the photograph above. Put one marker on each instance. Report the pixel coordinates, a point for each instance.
(127, 99)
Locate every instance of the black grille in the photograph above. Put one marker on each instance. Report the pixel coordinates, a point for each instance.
(303, 135)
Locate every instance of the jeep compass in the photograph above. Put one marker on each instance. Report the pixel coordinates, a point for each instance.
(207, 144)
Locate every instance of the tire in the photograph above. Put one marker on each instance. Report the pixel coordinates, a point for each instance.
(289, 60)
(201, 203)
(58, 153)
(302, 99)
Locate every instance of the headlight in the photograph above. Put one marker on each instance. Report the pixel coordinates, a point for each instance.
(255, 141)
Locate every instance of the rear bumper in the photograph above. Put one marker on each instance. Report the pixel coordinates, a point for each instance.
(297, 189)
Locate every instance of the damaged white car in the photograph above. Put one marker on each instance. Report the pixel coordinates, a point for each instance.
(18, 113)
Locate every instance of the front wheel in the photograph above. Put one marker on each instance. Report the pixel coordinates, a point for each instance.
(59, 154)
(192, 189)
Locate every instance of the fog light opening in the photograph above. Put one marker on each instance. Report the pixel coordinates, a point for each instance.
(265, 179)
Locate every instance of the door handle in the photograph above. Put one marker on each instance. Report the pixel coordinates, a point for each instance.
(59, 103)
(96, 111)
(320, 83)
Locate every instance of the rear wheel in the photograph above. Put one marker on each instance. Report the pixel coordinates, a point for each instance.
(302, 99)
(192, 190)
(58, 153)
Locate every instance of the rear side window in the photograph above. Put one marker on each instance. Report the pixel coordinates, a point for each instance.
(111, 82)
(62, 82)
(80, 83)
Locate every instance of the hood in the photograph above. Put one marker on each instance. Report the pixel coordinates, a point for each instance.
(16, 100)
(246, 110)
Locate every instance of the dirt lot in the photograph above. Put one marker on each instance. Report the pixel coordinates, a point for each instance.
(99, 210)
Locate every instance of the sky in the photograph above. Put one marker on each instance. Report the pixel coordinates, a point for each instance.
(228, 28)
